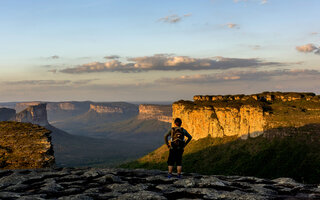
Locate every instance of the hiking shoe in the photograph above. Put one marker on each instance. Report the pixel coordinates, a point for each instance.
(179, 176)
(169, 176)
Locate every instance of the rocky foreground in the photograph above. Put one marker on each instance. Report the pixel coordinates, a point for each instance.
(88, 183)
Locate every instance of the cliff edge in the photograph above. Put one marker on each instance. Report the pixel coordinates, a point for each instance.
(25, 145)
(247, 115)
(36, 114)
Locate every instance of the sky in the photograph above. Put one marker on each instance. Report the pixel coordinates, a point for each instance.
(148, 50)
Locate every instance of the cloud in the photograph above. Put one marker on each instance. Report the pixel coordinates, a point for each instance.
(172, 19)
(39, 82)
(53, 57)
(232, 26)
(252, 76)
(308, 48)
(255, 47)
(264, 1)
(112, 57)
(168, 62)
(53, 71)
(49, 82)
(261, 1)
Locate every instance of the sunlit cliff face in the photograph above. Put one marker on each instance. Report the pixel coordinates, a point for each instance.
(247, 115)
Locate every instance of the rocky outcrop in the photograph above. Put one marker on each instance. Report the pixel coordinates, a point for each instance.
(7, 114)
(67, 106)
(23, 105)
(69, 183)
(266, 96)
(106, 109)
(114, 108)
(247, 115)
(34, 114)
(24, 145)
(220, 121)
(158, 112)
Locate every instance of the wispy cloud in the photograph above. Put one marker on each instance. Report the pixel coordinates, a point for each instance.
(54, 57)
(251, 76)
(112, 57)
(53, 71)
(255, 47)
(232, 26)
(264, 1)
(261, 1)
(49, 82)
(39, 82)
(308, 48)
(172, 19)
(167, 62)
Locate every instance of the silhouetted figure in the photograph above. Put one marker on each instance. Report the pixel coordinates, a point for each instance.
(176, 146)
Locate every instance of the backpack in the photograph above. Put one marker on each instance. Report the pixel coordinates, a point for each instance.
(177, 138)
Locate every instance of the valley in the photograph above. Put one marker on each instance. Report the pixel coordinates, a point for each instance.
(90, 133)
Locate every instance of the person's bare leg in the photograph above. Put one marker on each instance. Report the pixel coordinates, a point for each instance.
(170, 168)
(179, 169)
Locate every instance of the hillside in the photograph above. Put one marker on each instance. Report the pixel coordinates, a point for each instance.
(72, 150)
(24, 145)
(96, 114)
(297, 156)
(140, 131)
(266, 135)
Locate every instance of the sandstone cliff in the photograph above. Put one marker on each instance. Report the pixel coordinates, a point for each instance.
(34, 114)
(247, 115)
(106, 109)
(114, 108)
(6, 114)
(24, 145)
(61, 106)
(158, 112)
(23, 105)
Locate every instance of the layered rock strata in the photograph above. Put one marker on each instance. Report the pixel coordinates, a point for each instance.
(34, 114)
(22, 106)
(247, 115)
(220, 121)
(24, 145)
(66, 106)
(158, 112)
(67, 183)
(267, 96)
(106, 109)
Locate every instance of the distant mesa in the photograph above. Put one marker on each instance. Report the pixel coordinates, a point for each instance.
(158, 112)
(106, 109)
(61, 106)
(21, 106)
(36, 114)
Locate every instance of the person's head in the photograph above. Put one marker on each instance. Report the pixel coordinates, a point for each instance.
(177, 122)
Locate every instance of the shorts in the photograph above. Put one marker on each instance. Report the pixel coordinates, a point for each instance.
(175, 156)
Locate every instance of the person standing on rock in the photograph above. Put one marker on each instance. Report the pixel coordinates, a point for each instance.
(176, 146)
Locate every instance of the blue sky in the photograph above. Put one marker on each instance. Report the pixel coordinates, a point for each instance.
(160, 50)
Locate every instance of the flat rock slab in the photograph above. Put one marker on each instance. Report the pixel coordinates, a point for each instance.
(97, 183)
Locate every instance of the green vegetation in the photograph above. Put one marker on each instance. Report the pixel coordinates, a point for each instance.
(24, 145)
(190, 105)
(296, 156)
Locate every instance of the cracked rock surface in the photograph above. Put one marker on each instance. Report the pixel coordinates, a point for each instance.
(92, 183)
